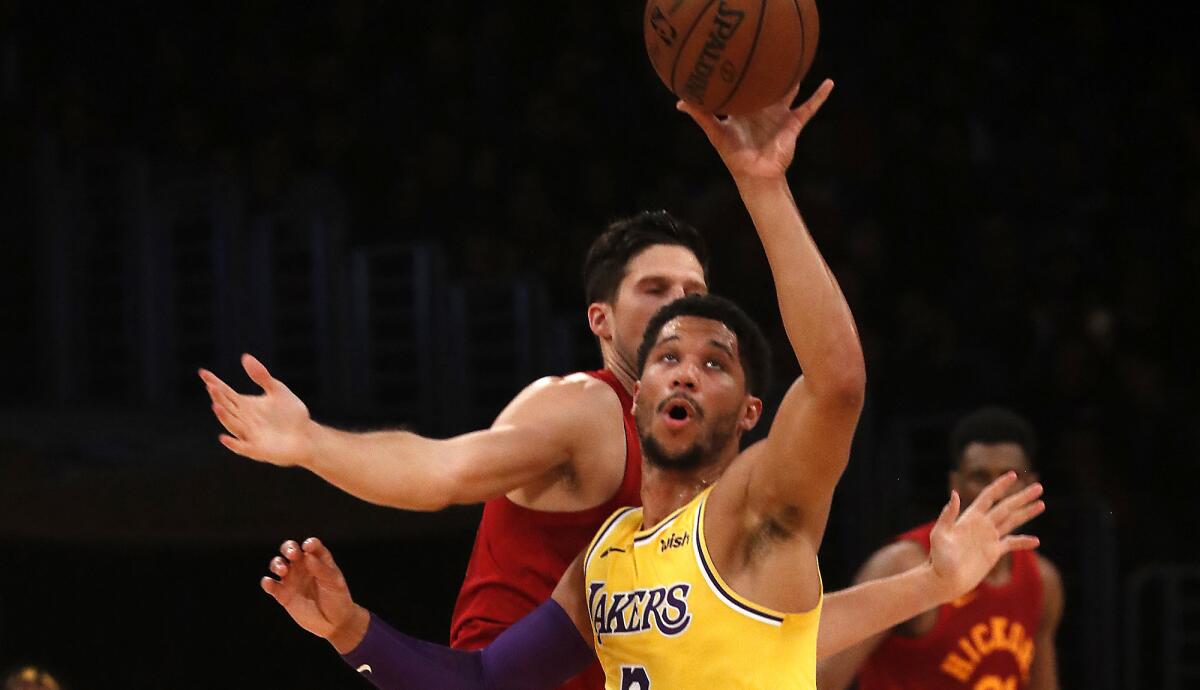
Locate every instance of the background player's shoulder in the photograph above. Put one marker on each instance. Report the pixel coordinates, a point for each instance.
(578, 386)
(577, 398)
(1048, 570)
(590, 388)
(1052, 585)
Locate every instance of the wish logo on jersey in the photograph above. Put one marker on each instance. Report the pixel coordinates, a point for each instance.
(622, 613)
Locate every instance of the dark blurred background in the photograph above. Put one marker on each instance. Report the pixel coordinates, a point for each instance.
(389, 204)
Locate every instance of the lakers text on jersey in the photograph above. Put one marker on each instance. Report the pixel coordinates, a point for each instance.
(663, 618)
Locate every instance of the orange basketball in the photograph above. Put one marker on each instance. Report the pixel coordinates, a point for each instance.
(731, 56)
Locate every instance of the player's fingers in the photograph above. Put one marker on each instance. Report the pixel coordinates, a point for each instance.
(1015, 501)
(949, 511)
(314, 547)
(279, 567)
(322, 564)
(289, 549)
(808, 108)
(232, 423)
(236, 445)
(1020, 516)
(258, 372)
(1020, 542)
(707, 121)
(218, 390)
(226, 396)
(271, 586)
(992, 492)
(791, 94)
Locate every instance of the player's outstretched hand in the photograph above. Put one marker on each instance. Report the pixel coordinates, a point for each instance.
(272, 427)
(761, 144)
(964, 548)
(313, 591)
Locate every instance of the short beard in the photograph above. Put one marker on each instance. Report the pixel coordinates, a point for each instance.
(701, 453)
(657, 456)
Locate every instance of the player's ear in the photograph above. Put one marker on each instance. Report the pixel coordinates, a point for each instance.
(600, 320)
(751, 413)
(637, 386)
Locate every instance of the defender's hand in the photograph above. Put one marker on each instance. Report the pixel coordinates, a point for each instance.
(964, 549)
(761, 144)
(272, 427)
(313, 591)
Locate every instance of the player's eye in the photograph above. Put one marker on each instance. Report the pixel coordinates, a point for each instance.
(714, 364)
(668, 357)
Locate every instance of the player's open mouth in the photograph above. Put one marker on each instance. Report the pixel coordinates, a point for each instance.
(678, 412)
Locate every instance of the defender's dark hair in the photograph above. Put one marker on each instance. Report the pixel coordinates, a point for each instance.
(993, 425)
(753, 350)
(608, 257)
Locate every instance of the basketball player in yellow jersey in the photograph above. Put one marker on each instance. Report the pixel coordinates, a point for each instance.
(714, 583)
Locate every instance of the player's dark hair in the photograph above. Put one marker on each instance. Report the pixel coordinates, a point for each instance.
(753, 349)
(608, 257)
(991, 425)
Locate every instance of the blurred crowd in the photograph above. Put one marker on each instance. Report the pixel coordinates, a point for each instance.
(1010, 200)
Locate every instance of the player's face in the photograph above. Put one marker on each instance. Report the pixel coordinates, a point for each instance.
(659, 275)
(981, 463)
(691, 402)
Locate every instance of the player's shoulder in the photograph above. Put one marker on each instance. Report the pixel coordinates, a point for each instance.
(578, 400)
(1052, 593)
(1051, 577)
(581, 388)
(895, 558)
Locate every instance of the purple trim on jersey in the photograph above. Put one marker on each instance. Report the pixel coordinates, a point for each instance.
(538, 652)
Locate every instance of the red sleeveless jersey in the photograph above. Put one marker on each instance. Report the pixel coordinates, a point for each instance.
(520, 554)
(982, 641)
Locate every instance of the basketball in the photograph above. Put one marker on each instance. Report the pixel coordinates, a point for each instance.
(731, 56)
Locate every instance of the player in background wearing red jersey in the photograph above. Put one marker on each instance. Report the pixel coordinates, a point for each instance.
(559, 459)
(998, 637)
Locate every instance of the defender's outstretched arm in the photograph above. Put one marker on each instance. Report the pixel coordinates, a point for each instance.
(540, 431)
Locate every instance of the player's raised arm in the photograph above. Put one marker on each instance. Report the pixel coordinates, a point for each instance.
(539, 432)
(542, 650)
(792, 478)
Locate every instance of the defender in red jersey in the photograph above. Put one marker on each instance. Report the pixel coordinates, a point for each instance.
(559, 459)
(999, 636)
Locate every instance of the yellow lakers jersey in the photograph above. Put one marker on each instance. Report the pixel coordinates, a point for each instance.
(663, 619)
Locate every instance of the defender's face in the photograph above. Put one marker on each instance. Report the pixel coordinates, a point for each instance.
(982, 463)
(659, 275)
(691, 400)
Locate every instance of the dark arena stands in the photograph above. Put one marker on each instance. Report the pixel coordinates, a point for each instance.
(389, 204)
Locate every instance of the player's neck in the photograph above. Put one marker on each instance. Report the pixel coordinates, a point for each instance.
(665, 490)
(620, 366)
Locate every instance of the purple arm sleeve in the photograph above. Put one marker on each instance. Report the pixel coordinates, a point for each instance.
(540, 651)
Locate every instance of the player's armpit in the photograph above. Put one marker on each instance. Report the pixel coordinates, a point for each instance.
(804, 455)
